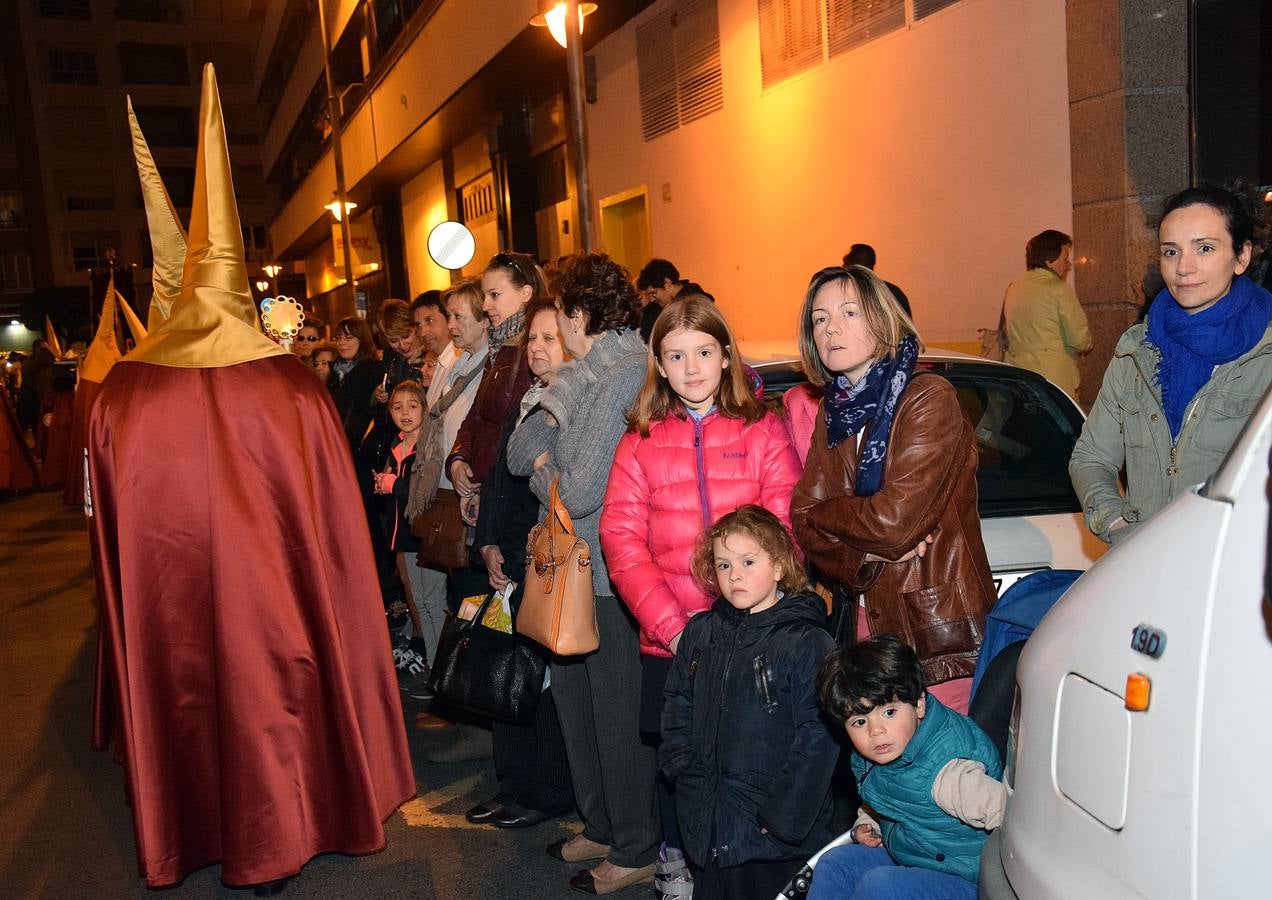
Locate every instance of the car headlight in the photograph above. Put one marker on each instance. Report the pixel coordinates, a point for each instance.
(1013, 739)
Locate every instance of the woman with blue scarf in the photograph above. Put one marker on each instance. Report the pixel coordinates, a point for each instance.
(1180, 386)
(887, 503)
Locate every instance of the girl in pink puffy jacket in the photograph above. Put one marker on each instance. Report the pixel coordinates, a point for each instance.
(699, 445)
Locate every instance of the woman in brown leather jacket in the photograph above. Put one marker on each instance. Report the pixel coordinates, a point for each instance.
(887, 503)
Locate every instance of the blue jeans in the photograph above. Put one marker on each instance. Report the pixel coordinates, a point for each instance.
(856, 872)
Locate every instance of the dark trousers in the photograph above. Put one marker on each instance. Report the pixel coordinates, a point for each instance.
(759, 880)
(598, 703)
(531, 762)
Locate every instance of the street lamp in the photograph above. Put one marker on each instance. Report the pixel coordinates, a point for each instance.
(262, 285)
(553, 18)
(272, 270)
(568, 32)
(334, 208)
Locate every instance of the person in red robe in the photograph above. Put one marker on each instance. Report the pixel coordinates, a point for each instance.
(17, 466)
(244, 670)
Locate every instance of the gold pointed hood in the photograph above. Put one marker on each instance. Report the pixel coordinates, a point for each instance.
(167, 237)
(50, 337)
(103, 353)
(213, 321)
(135, 327)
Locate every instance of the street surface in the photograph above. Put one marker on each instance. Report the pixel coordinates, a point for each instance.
(65, 829)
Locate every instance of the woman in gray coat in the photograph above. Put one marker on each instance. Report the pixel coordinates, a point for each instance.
(572, 436)
(1182, 384)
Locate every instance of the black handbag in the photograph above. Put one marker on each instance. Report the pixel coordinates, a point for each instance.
(485, 671)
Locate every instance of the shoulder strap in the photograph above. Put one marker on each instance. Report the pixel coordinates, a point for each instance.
(452, 394)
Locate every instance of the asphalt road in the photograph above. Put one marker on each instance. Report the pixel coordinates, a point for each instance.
(65, 830)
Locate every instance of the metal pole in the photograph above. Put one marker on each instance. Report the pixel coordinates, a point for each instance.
(577, 122)
(333, 107)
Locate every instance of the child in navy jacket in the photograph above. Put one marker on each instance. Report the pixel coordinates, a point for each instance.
(743, 739)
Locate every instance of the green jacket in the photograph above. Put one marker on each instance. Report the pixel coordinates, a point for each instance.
(1046, 327)
(1127, 426)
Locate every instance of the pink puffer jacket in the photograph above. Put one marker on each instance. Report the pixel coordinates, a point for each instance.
(664, 490)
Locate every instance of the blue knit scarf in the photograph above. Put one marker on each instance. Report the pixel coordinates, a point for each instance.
(1192, 345)
(872, 399)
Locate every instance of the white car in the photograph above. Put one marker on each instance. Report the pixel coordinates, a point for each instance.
(1025, 431)
(1139, 758)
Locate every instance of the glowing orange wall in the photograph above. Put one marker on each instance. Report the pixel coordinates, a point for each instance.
(945, 146)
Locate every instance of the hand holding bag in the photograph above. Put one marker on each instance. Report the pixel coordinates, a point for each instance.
(994, 340)
(558, 608)
(485, 670)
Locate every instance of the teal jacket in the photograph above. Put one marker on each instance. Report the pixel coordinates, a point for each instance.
(1127, 427)
(915, 830)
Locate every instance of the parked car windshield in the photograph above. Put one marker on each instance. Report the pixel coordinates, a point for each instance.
(1025, 432)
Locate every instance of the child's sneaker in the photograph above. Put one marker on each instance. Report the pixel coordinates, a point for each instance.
(672, 879)
(412, 673)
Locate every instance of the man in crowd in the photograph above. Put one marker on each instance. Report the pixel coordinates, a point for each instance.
(658, 284)
(311, 332)
(864, 255)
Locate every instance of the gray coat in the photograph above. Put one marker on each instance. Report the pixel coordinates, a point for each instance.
(590, 399)
(1127, 426)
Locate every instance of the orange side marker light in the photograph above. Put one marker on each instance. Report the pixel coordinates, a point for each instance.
(1138, 688)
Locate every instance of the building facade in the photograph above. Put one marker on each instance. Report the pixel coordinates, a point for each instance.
(75, 61)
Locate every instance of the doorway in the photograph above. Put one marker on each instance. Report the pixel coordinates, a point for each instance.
(625, 232)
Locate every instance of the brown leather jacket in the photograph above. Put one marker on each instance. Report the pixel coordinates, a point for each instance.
(936, 603)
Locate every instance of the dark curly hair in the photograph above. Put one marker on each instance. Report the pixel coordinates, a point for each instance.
(601, 288)
(855, 679)
(1234, 202)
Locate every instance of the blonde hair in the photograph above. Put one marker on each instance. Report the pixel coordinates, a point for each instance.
(395, 319)
(765, 529)
(735, 397)
(885, 318)
(470, 290)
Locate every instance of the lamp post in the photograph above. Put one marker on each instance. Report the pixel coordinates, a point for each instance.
(570, 13)
(337, 123)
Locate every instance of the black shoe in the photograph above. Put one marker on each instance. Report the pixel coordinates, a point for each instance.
(482, 813)
(514, 816)
(272, 888)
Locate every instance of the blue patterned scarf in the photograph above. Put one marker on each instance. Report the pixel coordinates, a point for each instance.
(1191, 345)
(872, 399)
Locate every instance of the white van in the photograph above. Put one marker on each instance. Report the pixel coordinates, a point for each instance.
(1141, 754)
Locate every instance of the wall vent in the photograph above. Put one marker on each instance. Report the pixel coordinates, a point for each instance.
(927, 7)
(678, 66)
(477, 199)
(790, 38)
(851, 23)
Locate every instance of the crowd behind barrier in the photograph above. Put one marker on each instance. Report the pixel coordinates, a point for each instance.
(699, 740)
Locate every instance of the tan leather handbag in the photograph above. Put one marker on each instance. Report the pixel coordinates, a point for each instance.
(558, 608)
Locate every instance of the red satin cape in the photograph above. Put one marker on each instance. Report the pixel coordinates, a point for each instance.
(244, 669)
(53, 444)
(17, 466)
(85, 394)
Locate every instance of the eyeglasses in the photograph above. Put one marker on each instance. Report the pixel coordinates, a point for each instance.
(311, 338)
(509, 261)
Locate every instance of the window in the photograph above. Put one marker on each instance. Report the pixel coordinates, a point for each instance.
(12, 210)
(790, 38)
(168, 126)
(233, 62)
(153, 64)
(678, 67)
(477, 200)
(65, 9)
(92, 251)
(241, 124)
(799, 35)
(180, 184)
(72, 67)
(851, 23)
(148, 11)
(551, 184)
(89, 202)
(249, 182)
(923, 8)
(15, 271)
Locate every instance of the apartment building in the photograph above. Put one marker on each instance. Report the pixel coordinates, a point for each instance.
(75, 61)
(751, 141)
